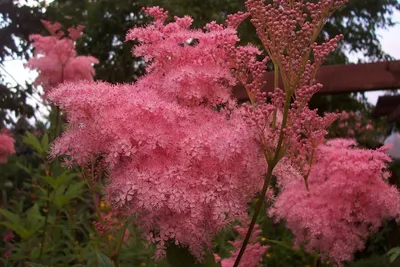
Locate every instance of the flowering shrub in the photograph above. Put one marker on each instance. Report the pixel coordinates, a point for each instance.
(186, 160)
(183, 168)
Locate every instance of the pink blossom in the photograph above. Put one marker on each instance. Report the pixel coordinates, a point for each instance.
(7, 238)
(347, 200)
(7, 254)
(6, 147)
(253, 254)
(185, 169)
(344, 115)
(56, 60)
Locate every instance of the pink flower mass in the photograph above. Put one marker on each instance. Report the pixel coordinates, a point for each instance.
(348, 199)
(186, 159)
(253, 254)
(6, 146)
(55, 57)
(185, 169)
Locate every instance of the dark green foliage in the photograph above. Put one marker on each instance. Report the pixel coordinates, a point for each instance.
(51, 213)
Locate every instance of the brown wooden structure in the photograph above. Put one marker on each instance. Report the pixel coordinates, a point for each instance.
(347, 78)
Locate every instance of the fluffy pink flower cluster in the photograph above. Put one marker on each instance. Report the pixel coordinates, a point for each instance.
(253, 254)
(347, 199)
(183, 167)
(55, 57)
(6, 146)
(188, 66)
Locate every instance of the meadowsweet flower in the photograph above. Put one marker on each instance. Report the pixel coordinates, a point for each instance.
(347, 200)
(184, 168)
(55, 57)
(253, 253)
(6, 146)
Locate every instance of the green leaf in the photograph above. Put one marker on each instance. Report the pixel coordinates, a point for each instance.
(20, 230)
(103, 260)
(26, 169)
(12, 217)
(180, 257)
(51, 181)
(75, 190)
(32, 141)
(64, 195)
(45, 142)
(55, 182)
(34, 219)
(393, 253)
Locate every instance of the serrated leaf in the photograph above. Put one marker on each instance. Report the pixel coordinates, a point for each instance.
(34, 218)
(51, 181)
(394, 253)
(33, 142)
(63, 179)
(23, 167)
(21, 231)
(75, 189)
(45, 142)
(104, 261)
(12, 217)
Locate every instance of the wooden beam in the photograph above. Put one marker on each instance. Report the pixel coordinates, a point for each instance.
(346, 78)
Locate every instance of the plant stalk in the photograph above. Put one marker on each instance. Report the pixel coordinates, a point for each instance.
(271, 166)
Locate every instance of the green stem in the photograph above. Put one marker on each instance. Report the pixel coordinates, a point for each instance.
(119, 245)
(271, 166)
(49, 170)
(259, 204)
(46, 221)
(315, 264)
